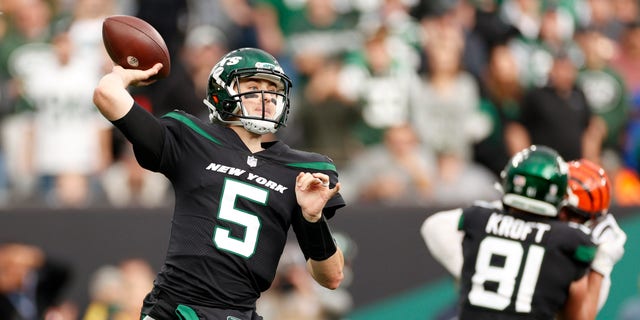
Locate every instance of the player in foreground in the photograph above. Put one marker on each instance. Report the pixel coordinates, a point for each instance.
(518, 260)
(236, 196)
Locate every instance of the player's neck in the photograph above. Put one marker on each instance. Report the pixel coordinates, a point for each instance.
(252, 140)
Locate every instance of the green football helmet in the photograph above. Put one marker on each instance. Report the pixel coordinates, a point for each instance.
(535, 180)
(225, 102)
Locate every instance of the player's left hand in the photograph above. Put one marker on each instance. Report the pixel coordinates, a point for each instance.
(610, 239)
(313, 192)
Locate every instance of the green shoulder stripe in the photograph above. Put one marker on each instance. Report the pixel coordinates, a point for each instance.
(192, 125)
(314, 165)
(461, 222)
(585, 253)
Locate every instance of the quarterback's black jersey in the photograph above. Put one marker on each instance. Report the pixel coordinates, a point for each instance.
(233, 210)
(518, 265)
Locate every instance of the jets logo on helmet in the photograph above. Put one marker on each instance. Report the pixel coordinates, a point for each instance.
(263, 65)
(535, 180)
(225, 102)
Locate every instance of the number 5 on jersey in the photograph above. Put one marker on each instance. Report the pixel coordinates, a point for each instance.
(222, 238)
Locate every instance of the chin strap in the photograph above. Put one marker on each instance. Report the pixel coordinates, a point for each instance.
(214, 116)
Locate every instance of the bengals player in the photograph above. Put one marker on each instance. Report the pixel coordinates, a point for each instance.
(588, 201)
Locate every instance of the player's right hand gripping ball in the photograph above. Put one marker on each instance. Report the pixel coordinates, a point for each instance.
(133, 43)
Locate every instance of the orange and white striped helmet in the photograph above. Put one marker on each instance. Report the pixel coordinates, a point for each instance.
(589, 189)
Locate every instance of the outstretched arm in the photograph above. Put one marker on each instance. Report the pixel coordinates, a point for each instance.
(326, 261)
(140, 127)
(111, 95)
(444, 241)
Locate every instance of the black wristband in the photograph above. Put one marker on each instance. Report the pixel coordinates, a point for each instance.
(320, 244)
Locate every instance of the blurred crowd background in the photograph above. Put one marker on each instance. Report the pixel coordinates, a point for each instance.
(418, 102)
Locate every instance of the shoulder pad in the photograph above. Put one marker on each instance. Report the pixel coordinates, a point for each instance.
(580, 227)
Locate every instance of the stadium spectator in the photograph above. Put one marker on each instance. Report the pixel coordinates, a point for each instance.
(187, 85)
(602, 17)
(137, 279)
(603, 86)
(294, 295)
(626, 11)
(310, 39)
(70, 142)
(490, 24)
(448, 118)
(26, 21)
(524, 15)
(501, 96)
(32, 283)
(234, 18)
(460, 182)
(85, 30)
(535, 53)
(127, 184)
(558, 115)
(627, 63)
(106, 292)
(399, 171)
(117, 291)
(402, 26)
(475, 53)
(379, 83)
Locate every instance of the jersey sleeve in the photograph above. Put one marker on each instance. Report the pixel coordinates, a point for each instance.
(579, 246)
(471, 220)
(145, 133)
(337, 201)
(314, 162)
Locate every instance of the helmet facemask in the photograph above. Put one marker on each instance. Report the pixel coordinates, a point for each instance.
(258, 111)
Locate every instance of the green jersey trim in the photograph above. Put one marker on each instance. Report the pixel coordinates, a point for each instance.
(191, 125)
(186, 313)
(314, 165)
(585, 253)
(461, 222)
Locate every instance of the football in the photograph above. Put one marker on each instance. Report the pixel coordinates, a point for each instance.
(135, 44)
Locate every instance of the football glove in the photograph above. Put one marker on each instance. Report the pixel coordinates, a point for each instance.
(610, 240)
